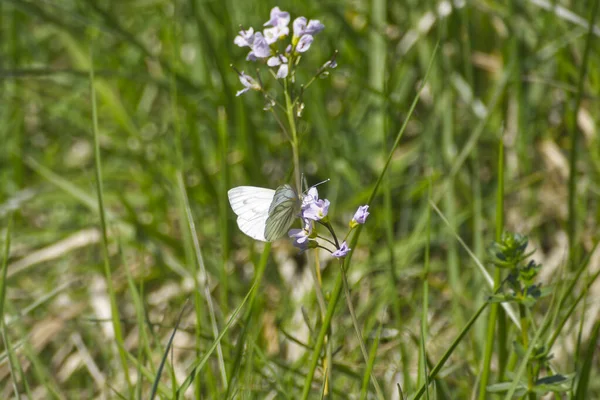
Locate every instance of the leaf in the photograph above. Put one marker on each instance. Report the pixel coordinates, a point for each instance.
(553, 383)
(505, 386)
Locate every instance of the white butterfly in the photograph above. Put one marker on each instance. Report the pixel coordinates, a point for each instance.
(265, 214)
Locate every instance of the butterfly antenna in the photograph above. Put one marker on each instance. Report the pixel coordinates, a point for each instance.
(303, 180)
(325, 181)
(317, 184)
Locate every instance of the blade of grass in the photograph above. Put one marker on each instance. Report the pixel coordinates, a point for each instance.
(574, 138)
(199, 259)
(114, 310)
(361, 343)
(166, 353)
(197, 366)
(241, 342)
(422, 369)
(496, 316)
(12, 362)
(583, 383)
(482, 269)
(448, 353)
(335, 294)
(370, 364)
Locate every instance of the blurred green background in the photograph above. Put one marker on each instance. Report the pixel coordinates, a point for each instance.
(514, 70)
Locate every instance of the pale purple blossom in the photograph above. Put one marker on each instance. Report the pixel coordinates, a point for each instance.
(280, 61)
(283, 71)
(245, 38)
(248, 82)
(302, 27)
(316, 210)
(260, 46)
(360, 216)
(301, 236)
(342, 251)
(277, 60)
(275, 33)
(304, 43)
(278, 18)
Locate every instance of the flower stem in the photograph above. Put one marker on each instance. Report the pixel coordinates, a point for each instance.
(294, 139)
(330, 229)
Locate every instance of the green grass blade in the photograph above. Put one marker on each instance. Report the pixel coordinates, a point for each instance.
(359, 337)
(509, 310)
(370, 364)
(191, 226)
(12, 361)
(586, 369)
(241, 342)
(114, 310)
(166, 354)
(448, 353)
(572, 221)
(335, 294)
(197, 366)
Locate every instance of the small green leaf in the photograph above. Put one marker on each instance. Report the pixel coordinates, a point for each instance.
(505, 387)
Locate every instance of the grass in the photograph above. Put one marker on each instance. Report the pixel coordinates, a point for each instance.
(124, 274)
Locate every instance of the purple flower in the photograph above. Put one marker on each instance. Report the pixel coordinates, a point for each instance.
(278, 18)
(360, 216)
(280, 61)
(283, 71)
(248, 82)
(245, 38)
(260, 46)
(251, 57)
(301, 27)
(316, 210)
(342, 251)
(310, 197)
(301, 235)
(304, 43)
(274, 34)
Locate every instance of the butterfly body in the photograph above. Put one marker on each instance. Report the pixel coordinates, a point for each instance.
(264, 214)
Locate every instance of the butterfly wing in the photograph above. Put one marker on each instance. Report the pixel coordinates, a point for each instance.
(283, 210)
(251, 204)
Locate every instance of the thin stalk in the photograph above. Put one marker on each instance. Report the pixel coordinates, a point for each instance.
(328, 361)
(114, 310)
(12, 361)
(448, 353)
(496, 314)
(336, 291)
(422, 371)
(575, 136)
(361, 343)
(295, 144)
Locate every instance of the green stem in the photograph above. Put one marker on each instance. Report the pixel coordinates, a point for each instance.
(335, 294)
(573, 156)
(440, 364)
(294, 139)
(363, 349)
(496, 313)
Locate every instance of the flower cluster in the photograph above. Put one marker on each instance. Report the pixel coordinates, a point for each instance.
(263, 45)
(315, 210)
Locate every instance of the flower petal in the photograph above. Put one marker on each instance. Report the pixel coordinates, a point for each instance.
(304, 43)
(283, 71)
